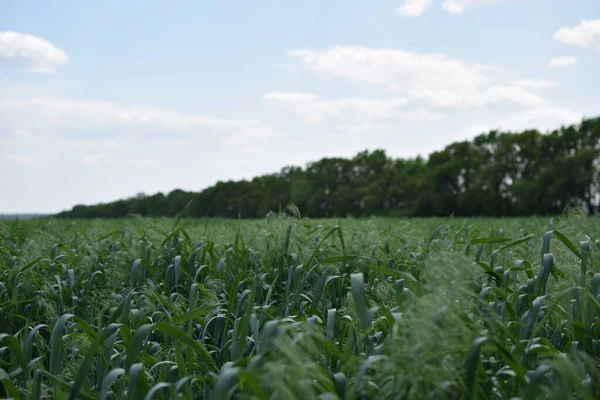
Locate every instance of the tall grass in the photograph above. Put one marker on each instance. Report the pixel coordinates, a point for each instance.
(289, 308)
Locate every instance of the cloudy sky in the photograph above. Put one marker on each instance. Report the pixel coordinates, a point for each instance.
(102, 100)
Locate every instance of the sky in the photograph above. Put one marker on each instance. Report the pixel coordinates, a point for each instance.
(101, 100)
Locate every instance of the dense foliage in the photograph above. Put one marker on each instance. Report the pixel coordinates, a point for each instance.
(290, 308)
(495, 174)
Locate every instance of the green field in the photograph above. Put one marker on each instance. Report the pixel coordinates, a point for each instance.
(285, 308)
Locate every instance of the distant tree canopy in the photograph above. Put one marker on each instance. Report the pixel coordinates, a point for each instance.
(495, 174)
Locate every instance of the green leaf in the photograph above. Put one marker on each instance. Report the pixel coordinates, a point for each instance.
(15, 347)
(56, 343)
(360, 300)
(86, 365)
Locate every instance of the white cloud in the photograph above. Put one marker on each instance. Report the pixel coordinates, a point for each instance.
(513, 94)
(80, 145)
(397, 69)
(37, 53)
(20, 159)
(22, 134)
(364, 128)
(585, 34)
(413, 8)
(435, 79)
(495, 94)
(471, 131)
(540, 118)
(251, 136)
(459, 6)
(558, 62)
(484, 96)
(92, 158)
(83, 113)
(144, 163)
(313, 109)
(535, 84)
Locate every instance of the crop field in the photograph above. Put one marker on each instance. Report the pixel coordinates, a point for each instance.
(289, 308)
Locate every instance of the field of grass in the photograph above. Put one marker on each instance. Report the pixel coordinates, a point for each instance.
(286, 308)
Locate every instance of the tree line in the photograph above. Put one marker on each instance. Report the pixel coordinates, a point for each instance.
(495, 174)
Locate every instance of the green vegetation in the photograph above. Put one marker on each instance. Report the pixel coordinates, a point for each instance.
(286, 308)
(495, 174)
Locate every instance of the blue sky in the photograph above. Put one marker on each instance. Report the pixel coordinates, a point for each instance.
(102, 100)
